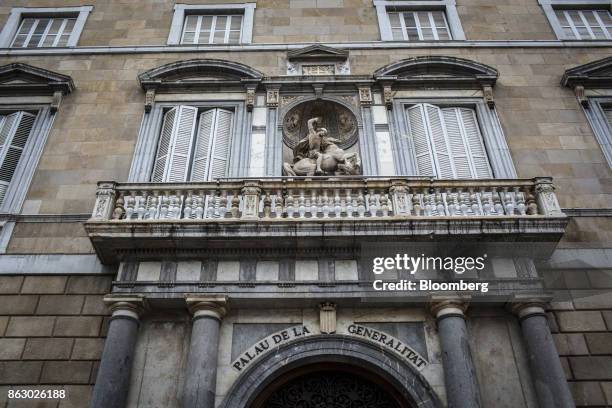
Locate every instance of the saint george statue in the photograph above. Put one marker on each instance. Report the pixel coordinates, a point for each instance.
(319, 155)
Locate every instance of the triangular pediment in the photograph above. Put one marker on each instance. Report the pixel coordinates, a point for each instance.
(24, 77)
(317, 52)
(596, 74)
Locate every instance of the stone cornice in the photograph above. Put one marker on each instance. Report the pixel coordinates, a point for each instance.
(596, 74)
(23, 78)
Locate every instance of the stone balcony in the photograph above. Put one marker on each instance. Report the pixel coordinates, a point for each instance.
(315, 212)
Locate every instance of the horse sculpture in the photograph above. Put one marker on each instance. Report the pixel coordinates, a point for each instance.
(319, 155)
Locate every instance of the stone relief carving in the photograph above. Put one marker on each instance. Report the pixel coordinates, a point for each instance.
(318, 154)
(337, 119)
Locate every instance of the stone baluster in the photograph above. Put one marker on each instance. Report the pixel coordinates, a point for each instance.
(278, 204)
(439, 202)
(497, 205)
(130, 202)
(142, 204)
(289, 203)
(384, 205)
(201, 373)
(548, 376)
(361, 207)
(200, 204)
(301, 204)
(349, 203)
(416, 203)
(520, 201)
(337, 204)
(188, 211)
(372, 207)
(474, 202)
(235, 203)
(530, 201)
(325, 208)
(113, 378)
(460, 379)
(267, 205)
(546, 198)
(119, 210)
(105, 195)
(485, 199)
(508, 201)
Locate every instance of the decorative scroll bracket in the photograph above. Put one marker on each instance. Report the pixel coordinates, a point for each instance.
(579, 92)
(250, 96)
(149, 100)
(56, 101)
(487, 91)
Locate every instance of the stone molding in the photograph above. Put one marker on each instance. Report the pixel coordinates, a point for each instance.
(524, 306)
(444, 306)
(335, 349)
(595, 74)
(207, 306)
(20, 78)
(131, 306)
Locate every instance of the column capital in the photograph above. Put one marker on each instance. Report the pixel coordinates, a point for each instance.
(526, 306)
(444, 306)
(132, 306)
(207, 306)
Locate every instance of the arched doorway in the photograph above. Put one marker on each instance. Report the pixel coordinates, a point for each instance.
(324, 360)
(330, 386)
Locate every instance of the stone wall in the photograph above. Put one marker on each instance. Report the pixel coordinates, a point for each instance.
(52, 331)
(582, 329)
(120, 23)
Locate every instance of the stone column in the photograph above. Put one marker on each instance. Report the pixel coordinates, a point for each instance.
(201, 375)
(459, 372)
(113, 380)
(548, 375)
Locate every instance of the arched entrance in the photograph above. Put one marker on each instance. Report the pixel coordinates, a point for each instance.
(330, 386)
(324, 368)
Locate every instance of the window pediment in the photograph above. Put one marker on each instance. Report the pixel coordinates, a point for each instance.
(317, 52)
(197, 71)
(596, 74)
(27, 79)
(438, 72)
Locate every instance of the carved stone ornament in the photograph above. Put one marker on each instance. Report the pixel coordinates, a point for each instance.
(250, 98)
(149, 100)
(318, 154)
(57, 101)
(327, 317)
(339, 121)
(365, 96)
(579, 92)
(488, 96)
(272, 98)
(388, 96)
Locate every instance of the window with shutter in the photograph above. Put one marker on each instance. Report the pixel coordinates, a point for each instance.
(185, 153)
(447, 142)
(14, 132)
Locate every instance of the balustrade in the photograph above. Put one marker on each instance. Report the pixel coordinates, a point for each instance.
(322, 199)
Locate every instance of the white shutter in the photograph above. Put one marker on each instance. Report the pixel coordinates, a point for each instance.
(14, 132)
(475, 146)
(457, 143)
(201, 160)
(608, 114)
(175, 145)
(165, 139)
(212, 145)
(420, 140)
(439, 140)
(221, 144)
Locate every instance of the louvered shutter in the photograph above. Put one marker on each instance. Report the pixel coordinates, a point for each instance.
(475, 146)
(165, 139)
(439, 141)
(221, 144)
(458, 148)
(175, 145)
(608, 113)
(420, 139)
(14, 132)
(201, 160)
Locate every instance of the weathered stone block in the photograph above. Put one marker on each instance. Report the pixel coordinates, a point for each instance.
(592, 368)
(59, 304)
(87, 349)
(29, 326)
(600, 279)
(599, 343)
(89, 284)
(48, 349)
(66, 372)
(587, 393)
(18, 305)
(306, 270)
(20, 372)
(94, 305)
(570, 344)
(10, 284)
(607, 389)
(607, 315)
(44, 284)
(77, 396)
(77, 326)
(580, 321)
(3, 324)
(590, 299)
(10, 349)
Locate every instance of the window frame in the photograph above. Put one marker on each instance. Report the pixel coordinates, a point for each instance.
(148, 139)
(551, 6)
(496, 147)
(181, 11)
(18, 14)
(602, 128)
(449, 7)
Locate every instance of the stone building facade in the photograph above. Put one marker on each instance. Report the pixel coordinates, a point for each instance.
(155, 251)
